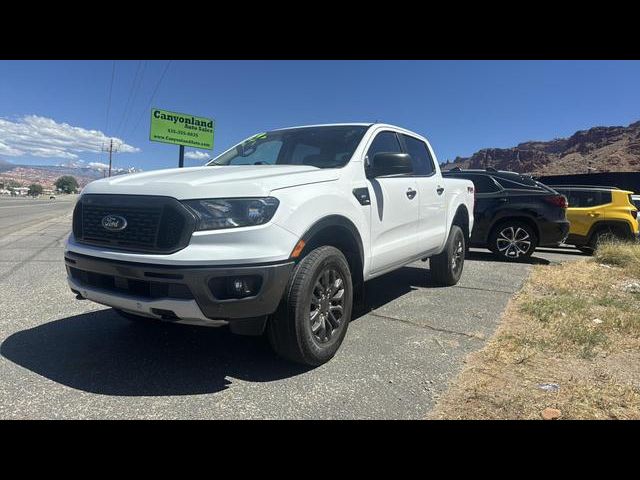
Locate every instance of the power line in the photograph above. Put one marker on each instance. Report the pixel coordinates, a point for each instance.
(133, 92)
(113, 74)
(135, 97)
(151, 99)
(126, 104)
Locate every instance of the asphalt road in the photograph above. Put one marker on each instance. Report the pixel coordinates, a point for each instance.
(17, 213)
(63, 358)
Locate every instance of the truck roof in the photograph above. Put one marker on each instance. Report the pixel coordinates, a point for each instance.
(349, 124)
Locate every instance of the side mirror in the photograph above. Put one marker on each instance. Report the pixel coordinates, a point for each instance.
(387, 163)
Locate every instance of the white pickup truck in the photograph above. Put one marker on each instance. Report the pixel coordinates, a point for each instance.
(276, 234)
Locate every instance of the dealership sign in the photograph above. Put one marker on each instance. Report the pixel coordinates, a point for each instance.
(181, 129)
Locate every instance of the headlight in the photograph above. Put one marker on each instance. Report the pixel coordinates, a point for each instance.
(216, 213)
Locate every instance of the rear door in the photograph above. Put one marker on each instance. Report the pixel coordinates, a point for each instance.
(586, 207)
(432, 225)
(394, 210)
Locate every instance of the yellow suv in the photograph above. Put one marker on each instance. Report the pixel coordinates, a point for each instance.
(598, 212)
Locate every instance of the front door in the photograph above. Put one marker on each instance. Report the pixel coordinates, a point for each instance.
(394, 211)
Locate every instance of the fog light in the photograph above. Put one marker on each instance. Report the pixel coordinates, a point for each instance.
(241, 287)
(225, 288)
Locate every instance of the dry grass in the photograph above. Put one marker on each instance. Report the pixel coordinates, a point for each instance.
(625, 255)
(575, 324)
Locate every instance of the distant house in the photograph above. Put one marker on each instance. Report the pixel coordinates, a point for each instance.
(5, 192)
(22, 191)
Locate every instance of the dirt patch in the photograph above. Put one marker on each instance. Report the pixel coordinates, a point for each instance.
(569, 340)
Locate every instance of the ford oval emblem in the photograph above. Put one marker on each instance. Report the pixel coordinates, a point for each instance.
(114, 223)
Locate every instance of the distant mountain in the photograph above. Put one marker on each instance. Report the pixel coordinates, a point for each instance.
(601, 149)
(46, 175)
(5, 164)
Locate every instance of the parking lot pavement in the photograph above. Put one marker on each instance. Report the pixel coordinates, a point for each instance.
(63, 358)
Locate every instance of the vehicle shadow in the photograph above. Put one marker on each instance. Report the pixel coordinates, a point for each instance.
(490, 257)
(563, 251)
(100, 352)
(391, 286)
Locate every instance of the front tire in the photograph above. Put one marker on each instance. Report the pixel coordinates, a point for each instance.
(513, 240)
(446, 267)
(314, 315)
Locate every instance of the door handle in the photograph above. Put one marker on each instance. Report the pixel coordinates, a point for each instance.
(594, 214)
(440, 190)
(411, 193)
(504, 199)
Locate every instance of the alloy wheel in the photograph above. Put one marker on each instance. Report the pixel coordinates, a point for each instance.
(513, 242)
(326, 310)
(458, 257)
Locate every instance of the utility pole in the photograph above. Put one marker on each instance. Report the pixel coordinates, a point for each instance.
(111, 150)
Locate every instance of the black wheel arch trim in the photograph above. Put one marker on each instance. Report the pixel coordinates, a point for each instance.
(335, 221)
(462, 211)
(599, 225)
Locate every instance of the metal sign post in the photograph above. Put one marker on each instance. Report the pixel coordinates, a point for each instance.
(181, 157)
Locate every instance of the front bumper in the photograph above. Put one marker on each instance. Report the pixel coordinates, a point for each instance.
(553, 234)
(155, 290)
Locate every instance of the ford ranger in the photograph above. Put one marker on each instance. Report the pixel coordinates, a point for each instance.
(278, 234)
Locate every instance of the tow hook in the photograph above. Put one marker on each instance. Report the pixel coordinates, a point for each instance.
(78, 295)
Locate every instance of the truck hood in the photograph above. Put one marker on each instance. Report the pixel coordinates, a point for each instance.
(213, 181)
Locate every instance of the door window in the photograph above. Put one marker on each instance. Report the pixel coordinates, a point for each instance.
(422, 161)
(521, 183)
(482, 183)
(587, 198)
(385, 142)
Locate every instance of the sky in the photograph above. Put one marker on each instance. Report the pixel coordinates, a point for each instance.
(60, 112)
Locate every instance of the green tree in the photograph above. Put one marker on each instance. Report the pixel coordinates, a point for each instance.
(67, 184)
(35, 189)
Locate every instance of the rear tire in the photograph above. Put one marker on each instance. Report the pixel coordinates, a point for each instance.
(312, 319)
(513, 240)
(604, 235)
(446, 267)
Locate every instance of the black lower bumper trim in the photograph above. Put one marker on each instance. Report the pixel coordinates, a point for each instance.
(196, 279)
(553, 233)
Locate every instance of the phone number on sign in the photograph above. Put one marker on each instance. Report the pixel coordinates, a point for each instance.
(179, 132)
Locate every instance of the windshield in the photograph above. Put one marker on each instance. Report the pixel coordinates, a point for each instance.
(322, 147)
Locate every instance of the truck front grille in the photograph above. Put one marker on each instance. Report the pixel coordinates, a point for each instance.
(154, 224)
